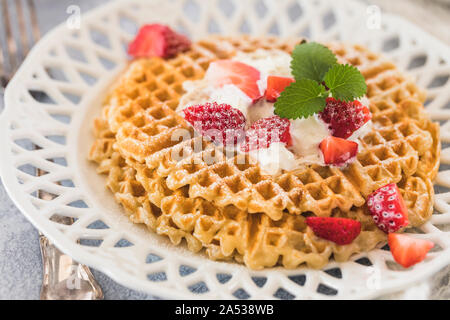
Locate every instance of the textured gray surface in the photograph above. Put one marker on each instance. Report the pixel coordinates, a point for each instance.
(20, 261)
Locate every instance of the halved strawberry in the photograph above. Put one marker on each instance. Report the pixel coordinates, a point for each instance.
(387, 208)
(339, 230)
(337, 151)
(221, 122)
(276, 85)
(243, 76)
(156, 40)
(344, 118)
(265, 131)
(408, 251)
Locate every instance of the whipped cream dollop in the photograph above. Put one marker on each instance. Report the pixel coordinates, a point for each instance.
(306, 133)
(306, 136)
(274, 158)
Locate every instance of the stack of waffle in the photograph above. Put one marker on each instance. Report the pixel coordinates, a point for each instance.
(224, 203)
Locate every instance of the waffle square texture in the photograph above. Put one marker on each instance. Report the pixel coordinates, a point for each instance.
(226, 204)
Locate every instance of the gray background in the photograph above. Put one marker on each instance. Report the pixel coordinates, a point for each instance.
(20, 261)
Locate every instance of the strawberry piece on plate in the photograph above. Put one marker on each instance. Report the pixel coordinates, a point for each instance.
(156, 40)
(220, 122)
(276, 85)
(337, 151)
(344, 118)
(387, 208)
(243, 76)
(339, 230)
(265, 131)
(408, 251)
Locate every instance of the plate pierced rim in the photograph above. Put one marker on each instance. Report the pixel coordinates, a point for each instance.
(276, 277)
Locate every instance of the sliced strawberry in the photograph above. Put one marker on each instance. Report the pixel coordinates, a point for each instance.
(337, 151)
(276, 85)
(221, 122)
(265, 131)
(339, 230)
(388, 208)
(156, 40)
(408, 251)
(243, 76)
(344, 118)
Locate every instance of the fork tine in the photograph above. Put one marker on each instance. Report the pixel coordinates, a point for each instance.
(11, 44)
(11, 50)
(2, 52)
(22, 28)
(34, 20)
(3, 76)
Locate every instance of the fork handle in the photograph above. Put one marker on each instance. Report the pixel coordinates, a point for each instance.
(64, 278)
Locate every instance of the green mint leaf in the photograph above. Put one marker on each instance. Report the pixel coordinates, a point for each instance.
(311, 61)
(345, 82)
(301, 99)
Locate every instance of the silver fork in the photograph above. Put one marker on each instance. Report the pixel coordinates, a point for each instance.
(63, 278)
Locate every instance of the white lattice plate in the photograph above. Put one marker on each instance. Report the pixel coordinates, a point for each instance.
(58, 91)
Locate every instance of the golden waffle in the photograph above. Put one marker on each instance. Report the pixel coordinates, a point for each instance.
(388, 153)
(145, 133)
(208, 202)
(228, 232)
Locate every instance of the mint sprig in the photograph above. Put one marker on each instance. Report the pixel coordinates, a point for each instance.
(300, 99)
(311, 61)
(345, 82)
(313, 66)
